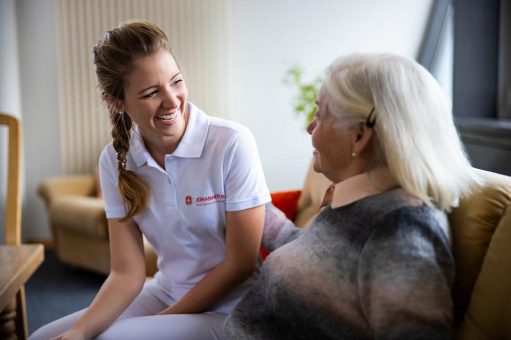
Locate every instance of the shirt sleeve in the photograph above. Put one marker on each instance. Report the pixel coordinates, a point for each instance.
(405, 277)
(245, 186)
(109, 178)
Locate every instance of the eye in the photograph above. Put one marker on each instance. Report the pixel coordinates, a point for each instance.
(177, 82)
(151, 94)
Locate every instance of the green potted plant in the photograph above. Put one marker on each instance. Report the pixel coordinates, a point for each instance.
(305, 99)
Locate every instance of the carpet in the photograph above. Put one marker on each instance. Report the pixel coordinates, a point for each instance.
(56, 290)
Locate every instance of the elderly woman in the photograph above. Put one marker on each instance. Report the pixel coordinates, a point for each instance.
(375, 262)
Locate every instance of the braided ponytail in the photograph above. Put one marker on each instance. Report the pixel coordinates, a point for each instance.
(133, 190)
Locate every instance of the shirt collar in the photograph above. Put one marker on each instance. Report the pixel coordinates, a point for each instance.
(190, 146)
(194, 138)
(361, 186)
(137, 150)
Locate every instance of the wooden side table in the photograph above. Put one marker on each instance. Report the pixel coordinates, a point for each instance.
(17, 264)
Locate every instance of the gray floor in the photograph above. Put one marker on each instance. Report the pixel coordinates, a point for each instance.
(56, 290)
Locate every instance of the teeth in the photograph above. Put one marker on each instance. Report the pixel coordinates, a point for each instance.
(168, 117)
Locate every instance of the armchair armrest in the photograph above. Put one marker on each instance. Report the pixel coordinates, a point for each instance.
(70, 185)
(151, 260)
(81, 215)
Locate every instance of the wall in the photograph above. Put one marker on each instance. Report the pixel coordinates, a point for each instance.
(268, 36)
(10, 92)
(198, 33)
(38, 71)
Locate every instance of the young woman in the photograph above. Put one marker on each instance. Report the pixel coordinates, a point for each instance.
(192, 184)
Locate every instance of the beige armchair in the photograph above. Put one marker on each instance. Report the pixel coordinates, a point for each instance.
(79, 225)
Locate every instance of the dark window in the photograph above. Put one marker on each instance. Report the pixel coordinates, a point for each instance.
(481, 74)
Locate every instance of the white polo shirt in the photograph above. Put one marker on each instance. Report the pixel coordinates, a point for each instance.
(215, 168)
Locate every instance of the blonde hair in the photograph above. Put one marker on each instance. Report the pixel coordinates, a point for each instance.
(114, 58)
(415, 136)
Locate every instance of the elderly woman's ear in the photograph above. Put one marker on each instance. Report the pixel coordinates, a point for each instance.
(361, 136)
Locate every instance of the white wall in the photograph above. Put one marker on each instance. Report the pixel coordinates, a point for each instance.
(268, 36)
(10, 94)
(38, 70)
(271, 35)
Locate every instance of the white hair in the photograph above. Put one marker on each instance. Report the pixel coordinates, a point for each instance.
(414, 130)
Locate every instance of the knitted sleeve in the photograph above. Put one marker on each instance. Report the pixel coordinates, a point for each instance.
(278, 229)
(405, 277)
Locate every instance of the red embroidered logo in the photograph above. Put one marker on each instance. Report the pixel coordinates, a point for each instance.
(188, 200)
(210, 199)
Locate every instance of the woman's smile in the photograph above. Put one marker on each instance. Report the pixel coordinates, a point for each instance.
(168, 118)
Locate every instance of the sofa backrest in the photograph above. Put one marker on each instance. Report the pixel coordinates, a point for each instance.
(481, 228)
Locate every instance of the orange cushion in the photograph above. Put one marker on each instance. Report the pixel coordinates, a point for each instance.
(287, 201)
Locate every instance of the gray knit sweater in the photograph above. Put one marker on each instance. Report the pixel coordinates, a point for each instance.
(380, 267)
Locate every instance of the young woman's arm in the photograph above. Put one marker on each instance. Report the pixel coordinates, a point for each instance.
(126, 278)
(243, 239)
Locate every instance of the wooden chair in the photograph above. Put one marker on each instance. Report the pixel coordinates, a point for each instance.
(12, 234)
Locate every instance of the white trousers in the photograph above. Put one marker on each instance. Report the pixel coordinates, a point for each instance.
(139, 321)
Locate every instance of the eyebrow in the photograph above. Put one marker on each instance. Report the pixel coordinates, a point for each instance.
(150, 87)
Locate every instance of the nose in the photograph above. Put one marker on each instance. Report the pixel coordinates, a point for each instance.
(311, 126)
(170, 99)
